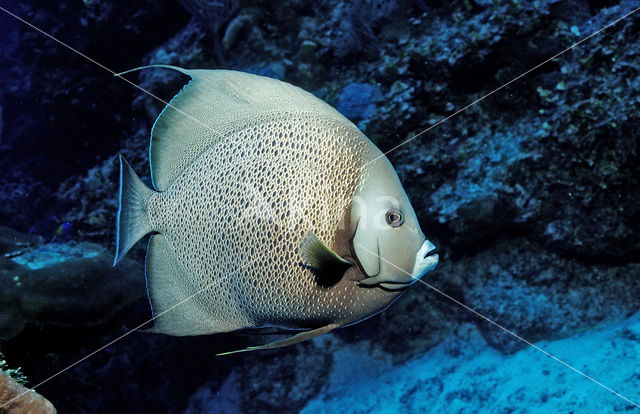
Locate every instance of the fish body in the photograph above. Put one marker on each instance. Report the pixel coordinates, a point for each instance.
(268, 210)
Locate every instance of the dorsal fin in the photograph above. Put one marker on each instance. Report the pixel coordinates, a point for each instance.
(213, 105)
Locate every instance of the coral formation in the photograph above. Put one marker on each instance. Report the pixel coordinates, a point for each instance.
(215, 15)
(15, 373)
(531, 194)
(15, 398)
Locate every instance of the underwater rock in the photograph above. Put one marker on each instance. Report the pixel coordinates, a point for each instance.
(538, 297)
(541, 295)
(214, 16)
(464, 374)
(14, 243)
(235, 28)
(532, 193)
(534, 293)
(23, 201)
(357, 101)
(471, 186)
(227, 398)
(272, 383)
(89, 205)
(589, 135)
(556, 163)
(16, 399)
(64, 285)
(308, 49)
(274, 70)
(351, 30)
(34, 95)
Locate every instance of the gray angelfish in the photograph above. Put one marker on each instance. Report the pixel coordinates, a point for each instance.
(269, 209)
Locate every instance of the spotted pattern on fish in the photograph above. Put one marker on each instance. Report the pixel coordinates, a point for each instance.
(239, 212)
(255, 221)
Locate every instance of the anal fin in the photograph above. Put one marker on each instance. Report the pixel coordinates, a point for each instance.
(176, 310)
(297, 338)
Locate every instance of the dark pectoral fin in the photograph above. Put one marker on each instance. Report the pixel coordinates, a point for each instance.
(302, 336)
(326, 265)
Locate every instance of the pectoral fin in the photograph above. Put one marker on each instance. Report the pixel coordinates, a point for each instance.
(297, 338)
(326, 265)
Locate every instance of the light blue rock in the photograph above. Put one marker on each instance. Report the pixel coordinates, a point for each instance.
(463, 374)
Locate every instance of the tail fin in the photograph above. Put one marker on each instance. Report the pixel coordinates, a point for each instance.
(133, 222)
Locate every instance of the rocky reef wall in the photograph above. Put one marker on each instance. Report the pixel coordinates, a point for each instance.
(531, 194)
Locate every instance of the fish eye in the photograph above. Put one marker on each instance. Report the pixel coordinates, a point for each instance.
(394, 217)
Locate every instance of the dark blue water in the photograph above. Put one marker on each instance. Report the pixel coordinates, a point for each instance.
(528, 185)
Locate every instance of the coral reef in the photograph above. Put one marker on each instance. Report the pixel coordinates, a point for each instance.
(531, 195)
(215, 15)
(43, 145)
(15, 373)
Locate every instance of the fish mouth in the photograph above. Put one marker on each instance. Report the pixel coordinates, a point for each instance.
(425, 261)
(395, 286)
